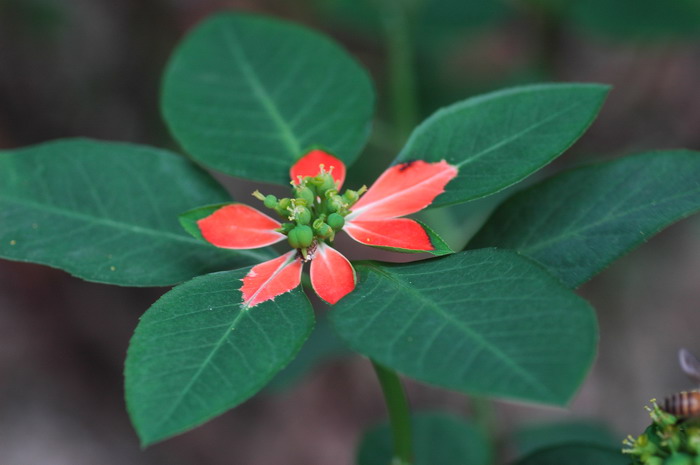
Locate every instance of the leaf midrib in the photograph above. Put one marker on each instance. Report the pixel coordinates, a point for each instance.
(610, 217)
(161, 234)
(205, 363)
(518, 135)
(469, 332)
(263, 95)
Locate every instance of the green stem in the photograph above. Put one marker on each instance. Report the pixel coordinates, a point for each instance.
(404, 105)
(485, 418)
(399, 414)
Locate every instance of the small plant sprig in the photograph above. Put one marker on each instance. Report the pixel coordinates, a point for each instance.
(669, 440)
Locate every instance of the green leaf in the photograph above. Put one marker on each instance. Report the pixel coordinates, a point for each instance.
(497, 139)
(576, 454)
(197, 353)
(188, 220)
(486, 322)
(637, 19)
(249, 95)
(542, 436)
(107, 212)
(578, 222)
(438, 438)
(323, 345)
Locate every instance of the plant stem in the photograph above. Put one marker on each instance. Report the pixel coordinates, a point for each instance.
(484, 417)
(404, 105)
(399, 414)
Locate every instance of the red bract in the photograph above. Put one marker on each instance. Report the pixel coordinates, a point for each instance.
(317, 213)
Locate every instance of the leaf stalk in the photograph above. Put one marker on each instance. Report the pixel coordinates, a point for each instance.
(399, 414)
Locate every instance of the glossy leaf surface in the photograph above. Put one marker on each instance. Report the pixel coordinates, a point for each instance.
(497, 139)
(578, 222)
(486, 322)
(108, 212)
(249, 95)
(576, 454)
(322, 346)
(197, 353)
(438, 438)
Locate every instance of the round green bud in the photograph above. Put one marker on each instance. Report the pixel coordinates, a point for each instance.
(282, 206)
(335, 203)
(323, 182)
(350, 196)
(270, 201)
(322, 230)
(300, 237)
(286, 227)
(306, 194)
(302, 215)
(336, 221)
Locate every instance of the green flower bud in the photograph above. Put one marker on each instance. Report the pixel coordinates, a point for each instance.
(335, 203)
(282, 206)
(300, 237)
(302, 215)
(303, 192)
(350, 196)
(323, 182)
(336, 221)
(286, 227)
(270, 201)
(322, 230)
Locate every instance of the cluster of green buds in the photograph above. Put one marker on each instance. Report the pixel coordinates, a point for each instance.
(669, 440)
(315, 213)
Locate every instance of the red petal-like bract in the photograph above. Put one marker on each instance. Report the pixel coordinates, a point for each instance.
(239, 226)
(309, 165)
(404, 189)
(399, 233)
(332, 275)
(271, 278)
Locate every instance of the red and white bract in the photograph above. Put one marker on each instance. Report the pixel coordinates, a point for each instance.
(403, 189)
(239, 226)
(271, 278)
(309, 165)
(332, 275)
(374, 220)
(396, 233)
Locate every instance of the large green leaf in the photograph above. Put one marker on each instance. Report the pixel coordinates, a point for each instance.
(576, 454)
(497, 139)
(249, 95)
(486, 322)
(108, 212)
(322, 346)
(438, 438)
(578, 222)
(197, 352)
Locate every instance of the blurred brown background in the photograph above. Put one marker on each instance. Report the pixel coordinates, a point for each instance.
(92, 67)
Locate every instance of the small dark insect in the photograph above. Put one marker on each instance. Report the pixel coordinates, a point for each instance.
(406, 165)
(685, 404)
